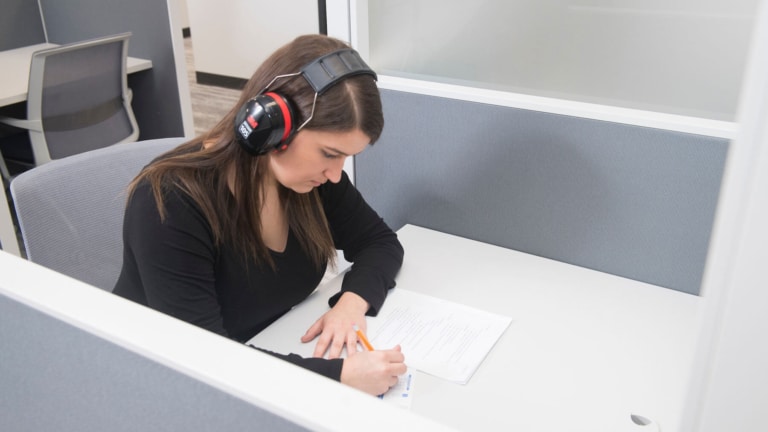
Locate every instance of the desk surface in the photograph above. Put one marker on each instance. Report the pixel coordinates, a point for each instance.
(585, 349)
(15, 65)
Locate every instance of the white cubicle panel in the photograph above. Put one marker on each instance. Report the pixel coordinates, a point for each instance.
(8, 239)
(76, 357)
(619, 189)
(179, 20)
(729, 389)
(672, 56)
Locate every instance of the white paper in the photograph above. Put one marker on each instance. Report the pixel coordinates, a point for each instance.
(400, 393)
(445, 339)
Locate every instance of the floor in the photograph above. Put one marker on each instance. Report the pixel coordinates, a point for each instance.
(209, 103)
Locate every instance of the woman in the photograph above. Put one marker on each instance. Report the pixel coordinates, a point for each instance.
(229, 241)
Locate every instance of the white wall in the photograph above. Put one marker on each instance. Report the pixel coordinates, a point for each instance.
(232, 38)
(183, 13)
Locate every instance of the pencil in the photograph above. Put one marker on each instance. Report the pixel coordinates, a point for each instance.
(363, 339)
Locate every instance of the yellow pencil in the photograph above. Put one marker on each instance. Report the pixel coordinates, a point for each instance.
(363, 339)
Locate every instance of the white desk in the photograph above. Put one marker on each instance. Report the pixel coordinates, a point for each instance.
(15, 66)
(585, 349)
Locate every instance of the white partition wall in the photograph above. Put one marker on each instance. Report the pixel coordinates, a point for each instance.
(77, 358)
(178, 17)
(337, 19)
(729, 386)
(655, 64)
(8, 239)
(679, 57)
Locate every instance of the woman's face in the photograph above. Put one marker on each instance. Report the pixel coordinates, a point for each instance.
(314, 157)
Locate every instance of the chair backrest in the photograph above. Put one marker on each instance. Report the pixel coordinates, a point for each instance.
(70, 211)
(79, 92)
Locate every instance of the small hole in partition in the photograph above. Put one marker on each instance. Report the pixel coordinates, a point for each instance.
(640, 420)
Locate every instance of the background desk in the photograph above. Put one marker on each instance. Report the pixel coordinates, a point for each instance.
(16, 62)
(585, 349)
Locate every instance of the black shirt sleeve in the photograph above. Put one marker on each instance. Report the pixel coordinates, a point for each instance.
(372, 247)
(170, 266)
(329, 368)
(173, 259)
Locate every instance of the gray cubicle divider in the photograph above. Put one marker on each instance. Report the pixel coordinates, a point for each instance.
(20, 24)
(627, 200)
(155, 92)
(56, 377)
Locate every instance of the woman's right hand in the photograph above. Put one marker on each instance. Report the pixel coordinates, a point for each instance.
(373, 372)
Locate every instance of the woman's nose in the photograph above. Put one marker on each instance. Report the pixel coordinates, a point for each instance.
(333, 172)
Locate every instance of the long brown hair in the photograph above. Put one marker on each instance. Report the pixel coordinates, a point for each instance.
(235, 216)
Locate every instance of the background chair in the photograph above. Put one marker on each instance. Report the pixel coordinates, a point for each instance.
(78, 100)
(70, 211)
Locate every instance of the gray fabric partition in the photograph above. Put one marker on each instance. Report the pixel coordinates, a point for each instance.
(55, 377)
(627, 200)
(20, 24)
(155, 91)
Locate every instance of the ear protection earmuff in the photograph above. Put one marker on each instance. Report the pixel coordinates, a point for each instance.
(267, 121)
(264, 122)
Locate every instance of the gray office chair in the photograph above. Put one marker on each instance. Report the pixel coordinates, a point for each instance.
(78, 99)
(70, 211)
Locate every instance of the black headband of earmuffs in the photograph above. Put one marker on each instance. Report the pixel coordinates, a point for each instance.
(267, 120)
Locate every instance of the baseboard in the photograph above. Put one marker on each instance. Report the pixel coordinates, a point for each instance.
(205, 78)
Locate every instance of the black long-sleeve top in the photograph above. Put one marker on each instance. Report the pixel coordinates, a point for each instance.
(174, 266)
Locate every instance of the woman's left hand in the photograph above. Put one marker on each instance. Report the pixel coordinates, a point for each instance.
(335, 327)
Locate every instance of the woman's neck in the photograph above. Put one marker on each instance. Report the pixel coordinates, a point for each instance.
(274, 223)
